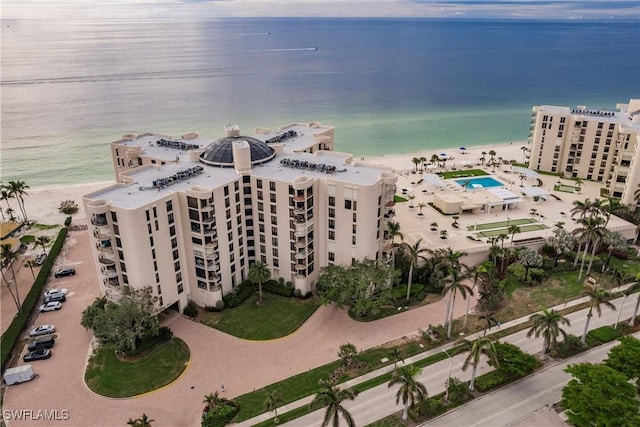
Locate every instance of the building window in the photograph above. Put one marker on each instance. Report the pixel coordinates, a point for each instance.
(259, 183)
(332, 256)
(332, 201)
(347, 204)
(272, 186)
(114, 217)
(332, 235)
(332, 213)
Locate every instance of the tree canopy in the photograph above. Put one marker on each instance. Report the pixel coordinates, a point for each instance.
(123, 324)
(599, 396)
(625, 357)
(364, 286)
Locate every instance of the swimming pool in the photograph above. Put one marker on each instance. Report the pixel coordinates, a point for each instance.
(484, 182)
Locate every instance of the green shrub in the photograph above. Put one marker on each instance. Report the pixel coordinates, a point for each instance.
(165, 333)
(241, 294)
(219, 305)
(491, 380)
(220, 415)
(570, 346)
(604, 334)
(12, 334)
(278, 288)
(427, 408)
(400, 291)
(67, 221)
(190, 310)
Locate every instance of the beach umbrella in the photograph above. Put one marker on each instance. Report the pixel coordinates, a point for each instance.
(443, 154)
(463, 148)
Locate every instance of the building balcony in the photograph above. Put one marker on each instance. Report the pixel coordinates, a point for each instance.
(300, 244)
(104, 249)
(210, 232)
(301, 255)
(106, 260)
(299, 210)
(211, 245)
(299, 198)
(112, 283)
(300, 267)
(109, 272)
(207, 208)
(99, 220)
(101, 234)
(114, 295)
(208, 220)
(303, 229)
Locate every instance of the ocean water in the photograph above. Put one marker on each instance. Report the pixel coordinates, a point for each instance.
(68, 88)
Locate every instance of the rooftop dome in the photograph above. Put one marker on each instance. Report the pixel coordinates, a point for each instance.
(220, 152)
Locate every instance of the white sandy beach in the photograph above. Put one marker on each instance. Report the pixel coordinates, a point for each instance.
(42, 202)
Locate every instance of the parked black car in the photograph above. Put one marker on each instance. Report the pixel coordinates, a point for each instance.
(40, 343)
(55, 297)
(43, 353)
(65, 271)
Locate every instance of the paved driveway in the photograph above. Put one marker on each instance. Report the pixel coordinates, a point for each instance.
(217, 358)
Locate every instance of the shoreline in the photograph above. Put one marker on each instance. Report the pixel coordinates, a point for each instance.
(42, 201)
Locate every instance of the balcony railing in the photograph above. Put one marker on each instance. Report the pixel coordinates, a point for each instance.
(105, 260)
(104, 249)
(109, 272)
(99, 221)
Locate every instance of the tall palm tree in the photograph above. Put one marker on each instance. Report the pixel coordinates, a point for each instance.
(597, 297)
(259, 273)
(5, 195)
(453, 285)
(489, 321)
(393, 230)
(590, 233)
(30, 264)
(411, 198)
(416, 162)
(421, 205)
(410, 389)
(143, 421)
(414, 253)
(271, 403)
(7, 257)
(479, 347)
(396, 356)
(332, 397)
(18, 189)
(635, 287)
(547, 323)
(42, 241)
(513, 230)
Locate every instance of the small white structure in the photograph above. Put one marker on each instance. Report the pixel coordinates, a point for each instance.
(18, 375)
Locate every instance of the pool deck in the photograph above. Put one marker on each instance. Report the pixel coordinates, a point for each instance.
(547, 212)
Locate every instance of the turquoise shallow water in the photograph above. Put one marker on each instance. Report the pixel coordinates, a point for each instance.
(387, 85)
(486, 182)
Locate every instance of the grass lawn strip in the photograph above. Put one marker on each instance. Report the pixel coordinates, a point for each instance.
(276, 317)
(523, 229)
(108, 376)
(501, 224)
(463, 173)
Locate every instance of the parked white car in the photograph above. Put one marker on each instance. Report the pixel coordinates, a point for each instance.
(55, 291)
(42, 330)
(50, 306)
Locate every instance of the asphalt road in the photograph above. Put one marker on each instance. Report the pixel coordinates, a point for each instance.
(379, 402)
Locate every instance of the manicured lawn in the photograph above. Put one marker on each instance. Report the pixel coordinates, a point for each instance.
(276, 317)
(108, 376)
(566, 188)
(524, 228)
(463, 173)
(501, 224)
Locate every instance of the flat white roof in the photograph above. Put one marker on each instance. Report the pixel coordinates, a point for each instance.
(535, 191)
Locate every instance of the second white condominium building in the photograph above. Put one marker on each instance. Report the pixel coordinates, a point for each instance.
(598, 145)
(189, 215)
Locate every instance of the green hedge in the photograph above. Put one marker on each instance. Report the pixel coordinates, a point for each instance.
(221, 415)
(278, 288)
(242, 293)
(12, 334)
(491, 380)
(604, 334)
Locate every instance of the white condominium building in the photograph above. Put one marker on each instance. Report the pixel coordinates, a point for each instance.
(189, 215)
(598, 145)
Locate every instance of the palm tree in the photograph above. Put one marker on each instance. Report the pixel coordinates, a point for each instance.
(42, 241)
(18, 189)
(395, 355)
(5, 195)
(410, 390)
(524, 153)
(547, 323)
(332, 397)
(513, 229)
(7, 257)
(489, 321)
(479, 347)
(597, 297)
(453, 285)
(416, 162)
(465, 184)
(635, 287)
(411, 198)
(434, 226)
(590, 232)
(421, 205)
(259, 273)
(271, 403)
(393, 230)
(211, 400)
(143, 421)
(30, 264)
(414, 253)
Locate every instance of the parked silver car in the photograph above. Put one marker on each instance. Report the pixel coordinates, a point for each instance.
(42, 330)
(50, 306)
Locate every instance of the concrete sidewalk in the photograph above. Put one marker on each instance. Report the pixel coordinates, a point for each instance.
(389, 368)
